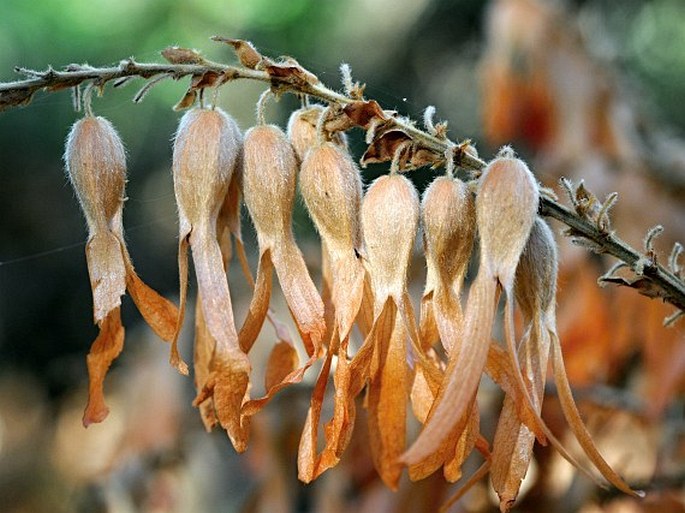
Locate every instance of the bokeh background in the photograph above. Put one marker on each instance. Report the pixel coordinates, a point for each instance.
(588, 89)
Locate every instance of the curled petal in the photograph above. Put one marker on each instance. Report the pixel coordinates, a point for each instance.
(105, 349)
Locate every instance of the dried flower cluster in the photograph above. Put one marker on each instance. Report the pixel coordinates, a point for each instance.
(431, 365)
(367, 244)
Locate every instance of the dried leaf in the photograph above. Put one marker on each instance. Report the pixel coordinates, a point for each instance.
(178, 55)
(106, 347)
(361, 113)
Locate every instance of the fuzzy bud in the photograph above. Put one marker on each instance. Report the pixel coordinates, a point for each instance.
(390, 217)
(449, 224)
(206, 147)
(96, 165)
(506, 207)
(302, 130)
(536, 274)
(269, 180)
(331, 187)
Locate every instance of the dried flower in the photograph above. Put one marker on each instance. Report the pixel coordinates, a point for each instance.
(96, 164)
(331, 188)
(206, 149)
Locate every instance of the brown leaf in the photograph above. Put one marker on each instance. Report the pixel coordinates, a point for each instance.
(178, 55)
(247, 54)
(362, 112)
(290, 71)
(187, 101)
(106, 347)
(383, 148)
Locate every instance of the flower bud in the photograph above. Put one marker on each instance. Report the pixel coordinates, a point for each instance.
(536, 275)
(449, 223)
(96, 165)
(506, 206)
(269, 175)
(331, 188)
(302, 130)
(206, 147)
(390, 217)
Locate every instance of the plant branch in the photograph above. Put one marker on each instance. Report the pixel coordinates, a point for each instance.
(653, 279)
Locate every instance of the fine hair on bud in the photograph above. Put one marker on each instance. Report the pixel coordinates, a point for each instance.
(535, 286)
(390, 215)
(206, 147)
(449, 223)
(331, 188)
(506, 206)
(303, 131)
(96, 165)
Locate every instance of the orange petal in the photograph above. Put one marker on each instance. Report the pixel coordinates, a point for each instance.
(231, 379)
(259, 305)
(303, 299)
(175, 358)
(203, 354)
(306, 455)
(107, 273)
(513, 443)
(463, 371)
(576, 424)
(348, 290)
(467, 441)
(106, 347)
(387, 402)
(159, 313)
(428, 329)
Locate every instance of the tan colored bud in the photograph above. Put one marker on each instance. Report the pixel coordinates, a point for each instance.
(449, 223)
(206, 147)
(390, 218)
(331, 188)
(269, 180)
(302, 131)
(96, 165)
(506, 206)
(536, 275)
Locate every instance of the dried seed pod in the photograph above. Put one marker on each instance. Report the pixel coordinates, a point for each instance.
(206, 149)
(270, 169)
(303, 134)
(96, 165)
(506, 206)
(449, 221)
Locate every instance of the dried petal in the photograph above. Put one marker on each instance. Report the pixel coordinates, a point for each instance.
(270, 168)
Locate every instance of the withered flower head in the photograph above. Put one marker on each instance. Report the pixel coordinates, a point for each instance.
(331, 188)
(206, 148)
(96, 165)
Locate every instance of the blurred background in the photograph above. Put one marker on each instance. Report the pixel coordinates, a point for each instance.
(590, 90)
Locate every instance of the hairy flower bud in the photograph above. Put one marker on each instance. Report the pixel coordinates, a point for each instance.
(506, 206)
(269, 176)
(206, 147)
(96, 165)
(302, 130)
(390, 217)
(536, 274)
(331, 188)
(449, 222)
